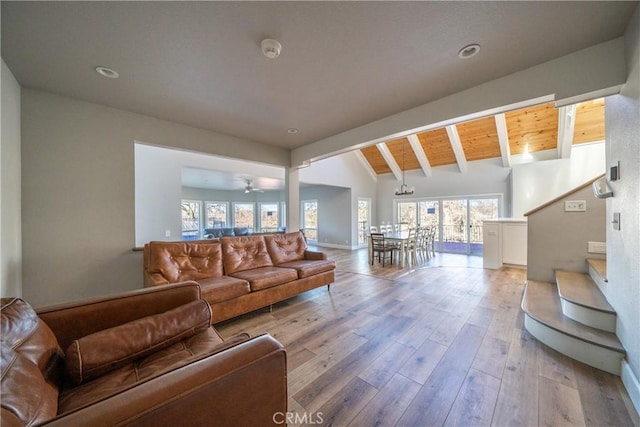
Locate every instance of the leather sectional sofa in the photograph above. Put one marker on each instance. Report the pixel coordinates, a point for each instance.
(242, 273)
(144, 358)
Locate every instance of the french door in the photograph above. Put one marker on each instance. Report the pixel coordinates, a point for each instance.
(458, 221)
(462, 221)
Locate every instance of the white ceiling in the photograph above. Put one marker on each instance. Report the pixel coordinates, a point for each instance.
(343, 64)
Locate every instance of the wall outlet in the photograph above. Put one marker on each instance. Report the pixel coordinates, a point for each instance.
(167, 233)
(575, 205)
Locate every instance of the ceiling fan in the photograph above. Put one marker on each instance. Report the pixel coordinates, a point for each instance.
(249, 188)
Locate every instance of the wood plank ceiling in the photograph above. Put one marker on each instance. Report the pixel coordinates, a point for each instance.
(519, 132)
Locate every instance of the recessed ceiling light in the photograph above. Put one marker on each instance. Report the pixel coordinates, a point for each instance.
(469, 51)
(107, 72)
(292, 130)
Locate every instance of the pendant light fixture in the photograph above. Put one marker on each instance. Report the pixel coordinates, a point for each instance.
(404, 190)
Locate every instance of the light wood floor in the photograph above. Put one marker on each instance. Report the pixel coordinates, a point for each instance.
(442, 343)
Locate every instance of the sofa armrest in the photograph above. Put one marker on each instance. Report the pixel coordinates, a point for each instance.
(242, 385)
(312, 255)
(75, 320)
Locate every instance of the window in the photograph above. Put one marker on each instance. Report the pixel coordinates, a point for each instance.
(310, 219)
(243, 215)
(190, 219)
(215, 214)
(269, 217)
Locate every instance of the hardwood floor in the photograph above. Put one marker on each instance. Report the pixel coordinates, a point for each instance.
(441, 343)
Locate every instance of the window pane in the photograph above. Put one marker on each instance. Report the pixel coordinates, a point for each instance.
(310, 219)
(407, 215)
(268, 217)
(363, 220)
(190, 220)
(243, 215)
(216, 214)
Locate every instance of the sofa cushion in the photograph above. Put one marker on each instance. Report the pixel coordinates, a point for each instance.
(183, 261)
(135, 372)
(244, 253)
(306, 268)
(101, 352)
(286, 247)
(23, 331)
(218, 289)
(26, 397)
(267, 277)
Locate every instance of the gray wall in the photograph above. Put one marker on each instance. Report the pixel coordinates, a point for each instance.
(623, 258)
(10, 182)
(334, 216)
(558, 240)
(341, 172)
(78, 192)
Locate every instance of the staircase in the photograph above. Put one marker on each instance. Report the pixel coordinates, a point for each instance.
(573, 317)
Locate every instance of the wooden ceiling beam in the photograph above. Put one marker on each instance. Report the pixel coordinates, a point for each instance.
(420, 155)
(503, 139)
(566, 126)
(388, 157)
(456, 145)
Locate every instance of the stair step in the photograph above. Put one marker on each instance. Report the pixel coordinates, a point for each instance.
(545, 320)
(582, 301)
(599, 267)
(580, 289)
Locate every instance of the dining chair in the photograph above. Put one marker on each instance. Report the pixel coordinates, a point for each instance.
(379, 246)
(373, 229)
(411, 247)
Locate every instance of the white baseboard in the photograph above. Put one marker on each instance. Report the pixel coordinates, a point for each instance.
(333, 245)
(631, 383)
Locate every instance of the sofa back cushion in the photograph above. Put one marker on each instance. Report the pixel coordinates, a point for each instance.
(172, 262)
(23, 331)
(32, 365)
(27, 399)
(286, 247)
(244, 253)
(94, 355)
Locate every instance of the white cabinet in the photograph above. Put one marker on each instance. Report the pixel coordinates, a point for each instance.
(505, 242)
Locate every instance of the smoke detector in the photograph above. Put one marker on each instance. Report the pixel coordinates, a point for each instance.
(271, 48)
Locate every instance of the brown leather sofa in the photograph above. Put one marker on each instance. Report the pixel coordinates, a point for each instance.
(144, 358)
(242, 273)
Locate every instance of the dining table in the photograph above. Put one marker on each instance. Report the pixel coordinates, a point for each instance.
(402, 237)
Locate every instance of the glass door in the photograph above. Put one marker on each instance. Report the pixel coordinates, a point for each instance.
(479, 210)
(310, 220)
(454, 226)
(364, 220)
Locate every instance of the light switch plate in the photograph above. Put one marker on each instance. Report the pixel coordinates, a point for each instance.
(575, 205)
(616, 221)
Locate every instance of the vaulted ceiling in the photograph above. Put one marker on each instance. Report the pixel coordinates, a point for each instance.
(514, 134)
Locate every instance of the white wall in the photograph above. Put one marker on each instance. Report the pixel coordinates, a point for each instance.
(482, 177)
(10, 187)
(537, 183)
(623, 246)
(78, 201)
